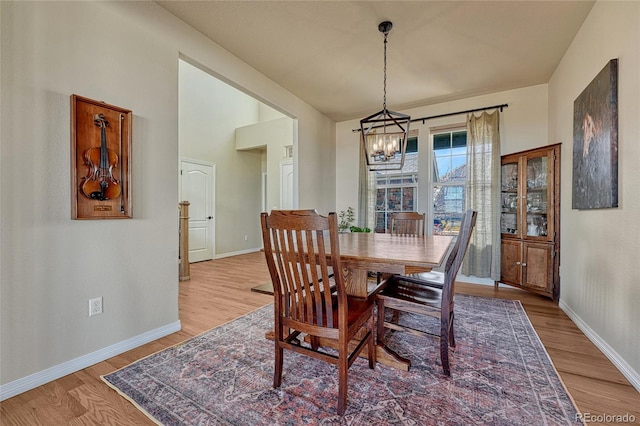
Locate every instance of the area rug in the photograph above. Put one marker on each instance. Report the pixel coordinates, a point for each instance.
(501, 375)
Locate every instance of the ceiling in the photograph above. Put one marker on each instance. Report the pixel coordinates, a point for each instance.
(330, 53)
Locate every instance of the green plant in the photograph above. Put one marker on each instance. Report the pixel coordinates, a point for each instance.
(346, 219)
(356, 229)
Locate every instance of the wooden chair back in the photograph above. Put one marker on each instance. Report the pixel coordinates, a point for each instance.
(456, 256)
(407, 223)
(295, 245)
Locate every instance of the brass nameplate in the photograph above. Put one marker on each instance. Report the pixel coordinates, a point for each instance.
(101, 208)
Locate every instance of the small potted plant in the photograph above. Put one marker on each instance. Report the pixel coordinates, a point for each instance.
(346, 219)
(346, 222)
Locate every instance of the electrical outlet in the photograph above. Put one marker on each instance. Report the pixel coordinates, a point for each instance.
(246, 238)
(95, 306)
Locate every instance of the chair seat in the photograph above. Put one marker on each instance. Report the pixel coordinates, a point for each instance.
(358, 308)
(431, 278)
(405, 290)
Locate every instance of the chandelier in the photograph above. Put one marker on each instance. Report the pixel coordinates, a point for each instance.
(384, 134)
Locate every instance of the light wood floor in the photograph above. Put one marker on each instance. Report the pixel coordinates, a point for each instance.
(219, 291)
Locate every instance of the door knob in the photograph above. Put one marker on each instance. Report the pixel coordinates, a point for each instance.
(210, 217)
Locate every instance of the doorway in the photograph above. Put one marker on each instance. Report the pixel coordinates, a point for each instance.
(244, 138)
(197, 186)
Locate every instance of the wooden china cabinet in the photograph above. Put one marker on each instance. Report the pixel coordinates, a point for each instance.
(530, 220)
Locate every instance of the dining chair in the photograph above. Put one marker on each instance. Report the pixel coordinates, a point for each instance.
(407, 223)
(307, 300)
(422, 293)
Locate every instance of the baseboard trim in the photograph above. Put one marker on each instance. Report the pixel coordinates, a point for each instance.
(237, 253)
(608, 351)
(470, 279)
(32, 381)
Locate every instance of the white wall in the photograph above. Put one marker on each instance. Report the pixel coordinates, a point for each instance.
(272, 136)
(52, 265)
(125, 53)
(523, 126)
(600, 249)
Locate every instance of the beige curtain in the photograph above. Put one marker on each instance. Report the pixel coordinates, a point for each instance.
(366, 194)
(482, 194)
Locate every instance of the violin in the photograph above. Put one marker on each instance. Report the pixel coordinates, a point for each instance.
(99, 184)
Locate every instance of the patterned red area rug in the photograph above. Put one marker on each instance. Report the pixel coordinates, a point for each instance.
(501, 375)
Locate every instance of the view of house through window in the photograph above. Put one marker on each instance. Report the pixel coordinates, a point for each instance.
(397, 190)
(449, 173)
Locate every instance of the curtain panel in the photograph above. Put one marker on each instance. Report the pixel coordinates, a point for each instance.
(482, 193)
(366, 193)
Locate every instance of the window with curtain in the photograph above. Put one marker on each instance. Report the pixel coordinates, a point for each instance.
(397, 190)
(464, 170)
(449, 159)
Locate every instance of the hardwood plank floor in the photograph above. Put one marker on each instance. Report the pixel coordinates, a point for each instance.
(219, 291)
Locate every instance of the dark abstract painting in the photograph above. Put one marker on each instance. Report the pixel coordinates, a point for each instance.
(595, 142)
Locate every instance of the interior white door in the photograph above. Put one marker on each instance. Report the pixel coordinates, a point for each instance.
(286, 185)
(197, 186)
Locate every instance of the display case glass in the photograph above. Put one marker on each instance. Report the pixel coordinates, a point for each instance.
(509, 198)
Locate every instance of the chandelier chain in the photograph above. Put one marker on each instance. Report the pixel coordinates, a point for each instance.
(384, 100)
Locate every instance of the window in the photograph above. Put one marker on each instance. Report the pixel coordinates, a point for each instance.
(397, 190)
(449, 174)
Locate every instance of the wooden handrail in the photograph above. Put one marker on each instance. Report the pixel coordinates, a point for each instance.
(185, 269)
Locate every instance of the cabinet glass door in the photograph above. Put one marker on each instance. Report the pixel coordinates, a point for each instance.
(509, 197)
(537, 206)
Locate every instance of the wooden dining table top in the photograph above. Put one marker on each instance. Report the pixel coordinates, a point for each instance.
(391, 252)
(362, 253)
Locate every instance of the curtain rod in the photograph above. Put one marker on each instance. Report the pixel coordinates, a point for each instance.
(423, 119)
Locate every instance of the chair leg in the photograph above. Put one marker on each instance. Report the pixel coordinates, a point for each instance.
(372, 344)
(380, 321)
(277, 371)
(444, 345)
(343, 366)
(314, 342)
(452, 340)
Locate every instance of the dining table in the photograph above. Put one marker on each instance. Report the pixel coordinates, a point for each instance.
(367, 256)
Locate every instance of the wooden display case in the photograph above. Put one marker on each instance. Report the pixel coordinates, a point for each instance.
(100, 160)
(530, 220)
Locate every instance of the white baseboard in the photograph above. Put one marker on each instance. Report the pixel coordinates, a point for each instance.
(45, 376)
(474, 280)
(237, 253)
(607, 350)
